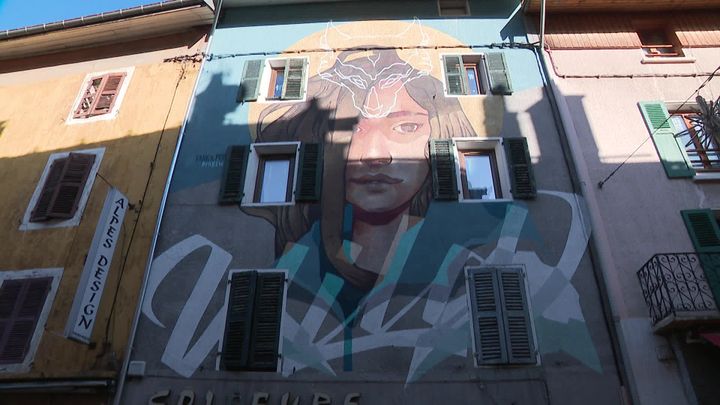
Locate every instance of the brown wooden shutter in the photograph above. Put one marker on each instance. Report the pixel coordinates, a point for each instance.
(47, 194)
(72, 183)
(110, 88)
(21, 302)
(88, 99)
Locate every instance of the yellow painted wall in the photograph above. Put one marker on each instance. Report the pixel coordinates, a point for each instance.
(34, 106)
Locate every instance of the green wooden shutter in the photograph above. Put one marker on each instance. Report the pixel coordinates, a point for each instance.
(233, 182)
(267, 315)
(72, 183)
(498, 73)
(705, 236)
(670, 149)
(238, 321)
(442, 162)
(294, 85)
(703, 229)
(455, 75)
(250, 84)
(522, 178)
(310, 173)
(518, 330)
(488, 325)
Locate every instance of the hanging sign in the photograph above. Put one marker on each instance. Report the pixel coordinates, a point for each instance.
(97, 265)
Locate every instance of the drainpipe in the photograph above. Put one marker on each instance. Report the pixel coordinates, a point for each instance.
(611, 300)
(151, 255)
(542, 24)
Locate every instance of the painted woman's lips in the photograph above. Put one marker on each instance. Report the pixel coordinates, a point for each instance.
(375, 178)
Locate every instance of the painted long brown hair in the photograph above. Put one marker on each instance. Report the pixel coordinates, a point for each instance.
(315, 120)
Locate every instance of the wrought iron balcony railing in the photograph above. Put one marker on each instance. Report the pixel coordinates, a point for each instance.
(676, 290)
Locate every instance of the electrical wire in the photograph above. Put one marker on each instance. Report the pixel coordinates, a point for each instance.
(602, 182)
(106, 339)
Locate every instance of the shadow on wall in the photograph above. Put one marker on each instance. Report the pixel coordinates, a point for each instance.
(126, 165)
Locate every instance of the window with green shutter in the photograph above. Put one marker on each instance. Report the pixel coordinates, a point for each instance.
(670, 148)
(501, 325)
(252, 325)
(475, 74)
(471, 169)
(702, 226)
(273, 80)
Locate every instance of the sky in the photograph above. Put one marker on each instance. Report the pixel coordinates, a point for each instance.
(21, 13)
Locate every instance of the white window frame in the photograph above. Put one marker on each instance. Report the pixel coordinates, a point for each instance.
(223, 312)
(128, 71)
(493, 144)
(483, 77)
(469, 302)
(56, 274)
(263, 94)
(264, 149)
(26, 225)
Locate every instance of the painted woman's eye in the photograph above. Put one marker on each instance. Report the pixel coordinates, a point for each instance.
(407, 127)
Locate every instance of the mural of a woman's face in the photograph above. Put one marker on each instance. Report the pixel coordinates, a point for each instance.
(387, 161)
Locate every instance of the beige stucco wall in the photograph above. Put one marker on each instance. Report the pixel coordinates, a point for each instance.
(35, 104)
(639, 206)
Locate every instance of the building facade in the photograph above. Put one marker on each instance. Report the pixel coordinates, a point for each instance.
(372, 204)
(89, 119)
(628, 76)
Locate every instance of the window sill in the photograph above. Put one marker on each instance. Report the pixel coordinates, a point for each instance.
(707, 176)
(497, 200)
(269, 204)
(667, 59)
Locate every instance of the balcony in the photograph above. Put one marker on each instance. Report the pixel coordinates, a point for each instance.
(676, 290)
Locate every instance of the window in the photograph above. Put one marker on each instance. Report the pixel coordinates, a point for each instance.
(682, 142)
(277, 173)
(282, 79)
(659, 42)
(475, 74)
(62, 192)
(481, 169)
(702, 148)
(274, 183)
(479, 174)
(25, 300)
(100, 96)
(502, 330)
(453, 7)
(252, 326)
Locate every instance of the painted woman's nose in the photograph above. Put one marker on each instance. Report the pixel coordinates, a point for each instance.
(376, 152)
